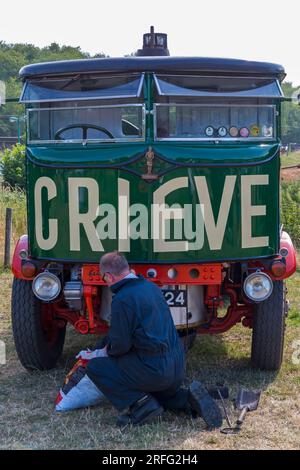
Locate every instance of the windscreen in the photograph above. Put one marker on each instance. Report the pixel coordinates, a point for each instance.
(206, 122)
(87, 123)
(191, 85)
(81, 87)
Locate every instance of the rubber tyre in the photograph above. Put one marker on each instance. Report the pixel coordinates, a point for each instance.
(34, 350)
(268, 330)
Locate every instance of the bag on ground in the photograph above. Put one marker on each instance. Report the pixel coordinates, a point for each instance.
(78, 390)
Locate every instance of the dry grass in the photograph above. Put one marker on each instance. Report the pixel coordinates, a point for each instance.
(28, 420)
(293, 158)
(16, 200)
(290, 175)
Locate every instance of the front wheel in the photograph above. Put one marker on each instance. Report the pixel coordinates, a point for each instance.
(268, 330)
(38, 339)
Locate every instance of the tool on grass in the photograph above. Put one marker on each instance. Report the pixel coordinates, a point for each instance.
(247, 400)
(224, 408)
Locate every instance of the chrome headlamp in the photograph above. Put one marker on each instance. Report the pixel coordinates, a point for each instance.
(46, 286)
(258, 286)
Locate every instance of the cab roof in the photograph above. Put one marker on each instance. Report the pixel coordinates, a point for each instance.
(198, 65)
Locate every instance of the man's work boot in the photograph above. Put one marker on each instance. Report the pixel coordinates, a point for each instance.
(141, 412)
(204, 405)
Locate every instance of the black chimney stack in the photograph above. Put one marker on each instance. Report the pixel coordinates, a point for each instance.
(154, 44)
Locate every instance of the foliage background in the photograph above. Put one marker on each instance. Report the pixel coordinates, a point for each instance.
(15, 56)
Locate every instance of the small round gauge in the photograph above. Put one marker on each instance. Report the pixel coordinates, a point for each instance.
(233, 131)
(244, 132)
(209, 131)
(222, 131)
(254, 130)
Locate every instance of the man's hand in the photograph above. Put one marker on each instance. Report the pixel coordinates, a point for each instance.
(88, 354)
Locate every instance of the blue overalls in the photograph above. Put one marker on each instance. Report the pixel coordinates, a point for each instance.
(145, 354)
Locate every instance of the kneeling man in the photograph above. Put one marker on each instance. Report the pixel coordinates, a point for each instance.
(144, 366)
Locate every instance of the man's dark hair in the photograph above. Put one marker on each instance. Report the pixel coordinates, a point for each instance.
(114, 263)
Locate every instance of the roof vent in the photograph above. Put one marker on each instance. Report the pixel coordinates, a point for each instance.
(154, 44)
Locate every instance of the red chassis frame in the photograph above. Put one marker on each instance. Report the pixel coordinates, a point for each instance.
(211, 275)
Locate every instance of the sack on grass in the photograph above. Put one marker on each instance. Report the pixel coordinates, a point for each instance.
(78, 390)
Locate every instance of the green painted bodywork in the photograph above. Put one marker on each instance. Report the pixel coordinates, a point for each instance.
(105, 163)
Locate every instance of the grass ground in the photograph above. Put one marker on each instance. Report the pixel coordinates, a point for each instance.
(16, 200)
(293, 158)
(28, 419)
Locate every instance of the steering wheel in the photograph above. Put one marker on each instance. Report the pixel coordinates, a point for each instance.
(84, 128)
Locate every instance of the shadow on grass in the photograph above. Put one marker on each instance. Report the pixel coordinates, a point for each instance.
(214, 360)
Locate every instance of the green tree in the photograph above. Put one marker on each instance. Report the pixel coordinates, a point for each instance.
(13, 90)
(12, 166)
(12, 58)
(290, 121)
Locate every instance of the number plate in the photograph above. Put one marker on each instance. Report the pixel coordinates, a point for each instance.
(175, 298)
